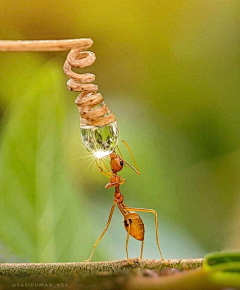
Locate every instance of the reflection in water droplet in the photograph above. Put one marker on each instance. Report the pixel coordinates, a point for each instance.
(100, 141)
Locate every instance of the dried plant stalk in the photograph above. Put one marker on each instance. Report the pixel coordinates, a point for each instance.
(93, 111)
(44, 45)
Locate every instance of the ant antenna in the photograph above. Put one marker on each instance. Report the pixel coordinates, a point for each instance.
(120, 153)
(136, 170)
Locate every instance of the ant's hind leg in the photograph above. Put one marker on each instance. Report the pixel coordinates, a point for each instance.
(141, 250)
(126, 247)
(156, 223)
(108, 223)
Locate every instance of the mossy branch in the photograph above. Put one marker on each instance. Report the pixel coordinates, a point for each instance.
(93, 275)
(26, 269)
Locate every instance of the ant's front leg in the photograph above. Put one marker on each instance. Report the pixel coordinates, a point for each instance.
(108, 174)
(115, 181)
(108, 171)
(122, 180)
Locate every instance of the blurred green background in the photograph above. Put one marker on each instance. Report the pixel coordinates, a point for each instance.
(169, 70)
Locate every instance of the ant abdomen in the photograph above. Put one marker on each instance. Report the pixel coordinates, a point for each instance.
(136, 226)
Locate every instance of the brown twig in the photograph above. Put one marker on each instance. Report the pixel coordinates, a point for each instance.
(44, 45)
(93, 111)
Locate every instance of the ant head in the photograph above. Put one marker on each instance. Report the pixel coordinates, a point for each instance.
(116, 162)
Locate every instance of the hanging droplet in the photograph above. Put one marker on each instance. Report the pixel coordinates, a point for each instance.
(100, 140)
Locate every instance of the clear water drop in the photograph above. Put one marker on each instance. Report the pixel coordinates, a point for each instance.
(100, 141)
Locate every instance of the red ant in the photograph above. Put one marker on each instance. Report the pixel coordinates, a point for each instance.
(132, 221)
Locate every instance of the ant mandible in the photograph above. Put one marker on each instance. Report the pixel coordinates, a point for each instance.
(132, 221)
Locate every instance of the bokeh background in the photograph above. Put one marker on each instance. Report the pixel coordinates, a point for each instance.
(169, 70)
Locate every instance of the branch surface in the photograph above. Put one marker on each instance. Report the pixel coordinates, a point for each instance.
(111, 275)
(22, 269)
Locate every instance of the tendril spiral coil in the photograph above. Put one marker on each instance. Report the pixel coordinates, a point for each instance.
(93, 111)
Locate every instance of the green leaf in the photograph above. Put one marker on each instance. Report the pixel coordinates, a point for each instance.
(224, 268)
(42, 218)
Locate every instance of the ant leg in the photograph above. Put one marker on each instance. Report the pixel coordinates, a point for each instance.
(122, 180)
(121, 155)
(134, 161)
(141, 249)
(108, 171)
(102, 171)
(108, 223)
(126, 247)
(156, 223)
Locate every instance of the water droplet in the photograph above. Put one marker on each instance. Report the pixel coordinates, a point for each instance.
(100, 141)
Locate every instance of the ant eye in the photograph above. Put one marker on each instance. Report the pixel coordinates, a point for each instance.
(121, 163)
